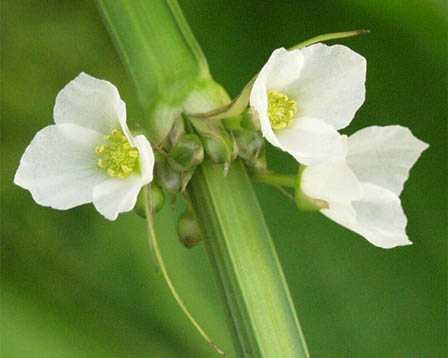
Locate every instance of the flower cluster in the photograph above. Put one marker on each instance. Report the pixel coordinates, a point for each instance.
(302, 98)
(299, 100)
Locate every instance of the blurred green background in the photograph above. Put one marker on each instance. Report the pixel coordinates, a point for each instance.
(76, 285)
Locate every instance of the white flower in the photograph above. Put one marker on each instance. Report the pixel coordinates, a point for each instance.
(302, 97)
(361, 192)
(89, 154)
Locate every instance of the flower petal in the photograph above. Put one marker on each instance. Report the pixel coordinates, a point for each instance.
(378, 217)
(331, 84)
(115, 196)
(90, 103)
(280, 70)
(384, 155)
(311, 141)
(59, 166)
(331, 182)
(146, 158)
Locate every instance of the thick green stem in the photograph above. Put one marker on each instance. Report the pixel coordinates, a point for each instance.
(154, 39)
(242, 250)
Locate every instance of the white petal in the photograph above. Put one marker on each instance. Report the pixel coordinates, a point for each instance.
(332, 182)
(146, 158)
(378, 217)
(91, 103)
(331, 84)
(384, 155)
(311, 141)
(59, 166)
(115, 196)
(282, 68)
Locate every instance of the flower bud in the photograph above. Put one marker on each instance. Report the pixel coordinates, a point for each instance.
(177, 131)
(167, 177)
(250, 120)
(188, 230)
(186, 153)
(157, 199)
(219, 147)
(250, 143)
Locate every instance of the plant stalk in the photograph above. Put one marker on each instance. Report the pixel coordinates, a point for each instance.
(154, 39)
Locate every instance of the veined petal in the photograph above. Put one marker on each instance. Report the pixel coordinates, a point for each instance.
(91, 103)
(146, 156)
(59, 166)
(115, 196)
(384, 155)
(311, 141)
(331, 182)
(282, 68)
(378, 217)
(331, 84)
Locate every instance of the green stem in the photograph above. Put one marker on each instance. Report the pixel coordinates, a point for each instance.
(276, 179)
(154, 244)
(263, 317)
(244, 255)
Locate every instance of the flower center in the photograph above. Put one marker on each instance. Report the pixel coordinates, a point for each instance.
(117, 157)
(281, 109)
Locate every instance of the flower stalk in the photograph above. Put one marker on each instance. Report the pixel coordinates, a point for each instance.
(154, 39)
(155, 248)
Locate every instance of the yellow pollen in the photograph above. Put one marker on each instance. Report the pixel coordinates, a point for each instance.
(281, 109)
(117, 157)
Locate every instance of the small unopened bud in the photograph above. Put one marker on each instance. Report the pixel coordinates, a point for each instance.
(220, 147)
(250, 120)
(177, 131)
(186, 153)
(188, 230)
(250, 143)
(157, 200)
(167, 177)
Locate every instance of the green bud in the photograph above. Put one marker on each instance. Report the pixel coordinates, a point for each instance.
(158, 200)
(250, 120)
(188, 230)
(250, 144)
(219, 146)
(177, 131)
(167, 177)
(186, 153)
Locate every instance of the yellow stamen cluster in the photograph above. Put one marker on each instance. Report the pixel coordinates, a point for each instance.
(117, 157)
(281, 109)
